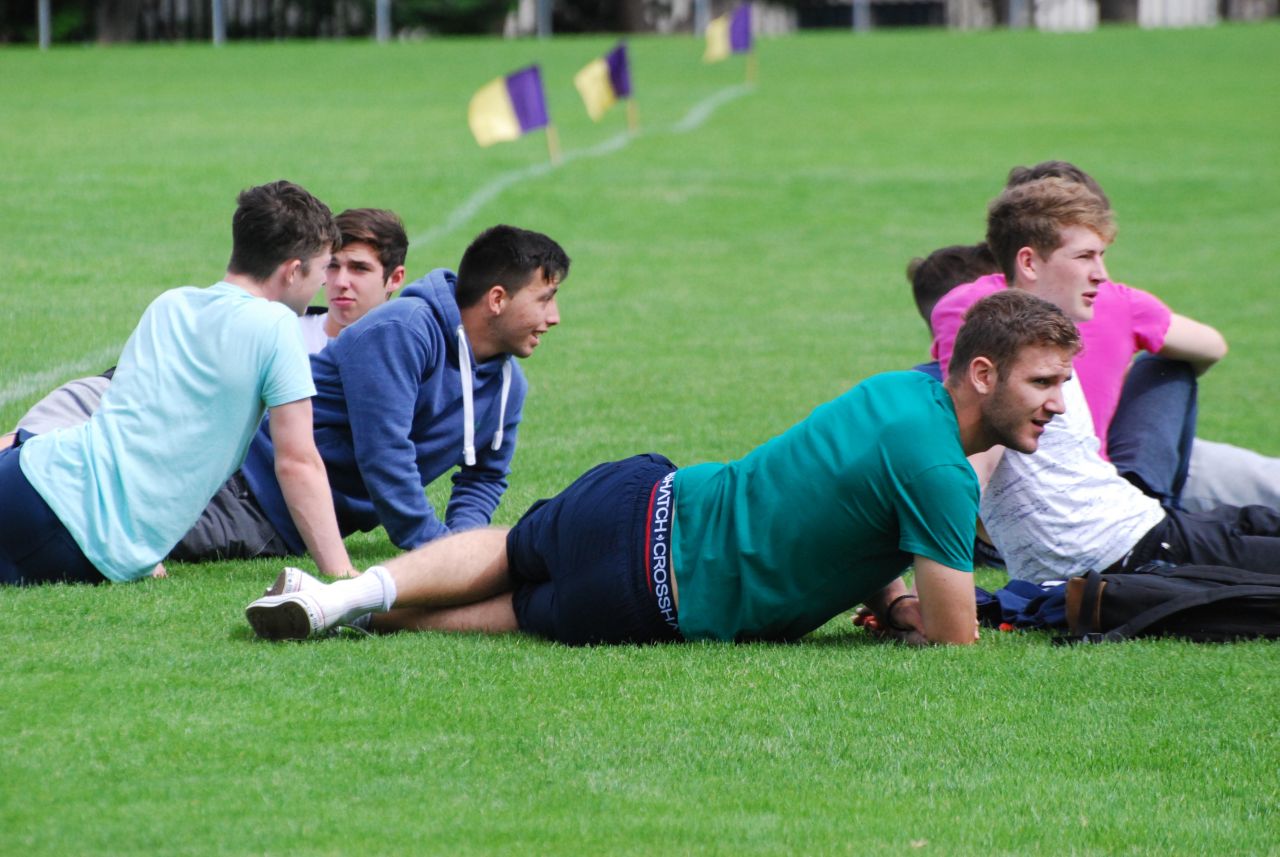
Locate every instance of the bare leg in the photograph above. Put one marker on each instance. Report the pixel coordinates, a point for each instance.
(494, 616)
(457, 570)
(459, 577)
(6, 440)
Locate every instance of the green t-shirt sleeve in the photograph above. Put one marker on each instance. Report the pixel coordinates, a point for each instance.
(938, 514)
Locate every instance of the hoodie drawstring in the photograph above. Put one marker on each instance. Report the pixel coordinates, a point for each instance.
(468, 407)
(502, 408)
(468, 404)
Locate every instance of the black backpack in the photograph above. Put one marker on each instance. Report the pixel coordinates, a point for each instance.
(1207, 603)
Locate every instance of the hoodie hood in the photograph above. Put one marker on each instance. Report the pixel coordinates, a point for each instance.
(439, 291)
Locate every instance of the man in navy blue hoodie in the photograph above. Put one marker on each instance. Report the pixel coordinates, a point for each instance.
(416, 387)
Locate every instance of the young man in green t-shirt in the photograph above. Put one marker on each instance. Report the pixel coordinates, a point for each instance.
(823, 517)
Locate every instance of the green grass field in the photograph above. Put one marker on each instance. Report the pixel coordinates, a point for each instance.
(737, 263)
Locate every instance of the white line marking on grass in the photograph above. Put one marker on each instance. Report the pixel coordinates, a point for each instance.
(25, 385)
(697, 115)
(702, 111)
(44, 381)
(486, 194)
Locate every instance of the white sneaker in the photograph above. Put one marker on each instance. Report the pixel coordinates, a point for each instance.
(292, 580)
(292, 616)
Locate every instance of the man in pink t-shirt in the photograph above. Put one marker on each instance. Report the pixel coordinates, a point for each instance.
(1064, 510)
(1155, 430)
(1121, 320)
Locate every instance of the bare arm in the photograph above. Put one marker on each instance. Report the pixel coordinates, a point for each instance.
(1196, 343)
(6, 440)
(948, 613)
(305, 487)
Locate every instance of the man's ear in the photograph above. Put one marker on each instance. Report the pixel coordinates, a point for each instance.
(983, 375)
(285, 273)
(396, 280)
(1024, 263)
(496, 299)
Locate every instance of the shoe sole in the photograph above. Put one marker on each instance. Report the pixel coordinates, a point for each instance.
(283, 620)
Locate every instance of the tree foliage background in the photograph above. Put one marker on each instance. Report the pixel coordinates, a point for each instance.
(108, 21)
(172, 20)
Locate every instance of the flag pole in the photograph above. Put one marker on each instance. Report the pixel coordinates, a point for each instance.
(633, 116)
(753, 69)
(553, 145)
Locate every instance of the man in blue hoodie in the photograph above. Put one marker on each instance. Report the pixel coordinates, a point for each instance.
(416, 387)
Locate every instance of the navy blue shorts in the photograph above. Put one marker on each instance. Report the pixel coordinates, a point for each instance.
(592, 564)
(34, 545)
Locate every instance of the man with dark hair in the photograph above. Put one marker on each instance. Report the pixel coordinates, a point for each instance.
(107, 499)
(418, 386)
(942, 270)
(771, 546)
(276, 222)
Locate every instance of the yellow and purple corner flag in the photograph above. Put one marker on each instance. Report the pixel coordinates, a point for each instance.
(508, 107)
(604, 81)
(729, 34)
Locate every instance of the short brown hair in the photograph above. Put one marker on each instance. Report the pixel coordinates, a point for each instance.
(1056, 169)
(277, 222)
(380, 229)
(1034, 215)
(1001, 325)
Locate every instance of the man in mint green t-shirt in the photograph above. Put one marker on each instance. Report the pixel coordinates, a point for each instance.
(108, 499)
(823, 517)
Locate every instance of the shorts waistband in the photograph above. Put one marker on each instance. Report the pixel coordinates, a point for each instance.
(659, 569)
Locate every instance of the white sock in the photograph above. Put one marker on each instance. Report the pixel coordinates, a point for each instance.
(373, 591)
(388, 594)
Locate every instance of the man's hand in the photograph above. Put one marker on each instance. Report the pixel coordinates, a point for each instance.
(905, 615)
(939, 610)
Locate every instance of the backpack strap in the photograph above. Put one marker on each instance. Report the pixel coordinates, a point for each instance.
(1089, 606)
(1147, 618)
